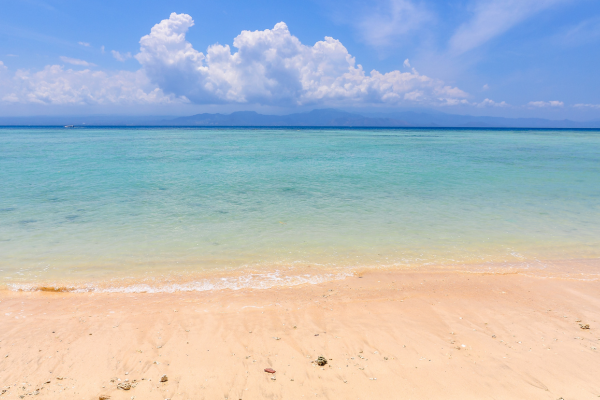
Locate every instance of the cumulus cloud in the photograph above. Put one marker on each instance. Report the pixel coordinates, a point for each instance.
(57, 85)
(542, 104)
(76, 61)
(407, 63)
(85, 44)
(121, 56)
(494, 17)
(269, 67)
(273, 67)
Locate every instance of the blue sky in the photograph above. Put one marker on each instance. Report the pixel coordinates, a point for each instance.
(521, 58)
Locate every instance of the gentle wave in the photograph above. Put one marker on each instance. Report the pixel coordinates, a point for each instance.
(251, 281)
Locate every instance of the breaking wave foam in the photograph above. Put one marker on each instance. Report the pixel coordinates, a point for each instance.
(250, 281)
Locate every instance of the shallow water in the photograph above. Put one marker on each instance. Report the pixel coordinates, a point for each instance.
(199, 208)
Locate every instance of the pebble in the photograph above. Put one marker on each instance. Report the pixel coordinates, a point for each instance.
(270, 370)
(164, 378)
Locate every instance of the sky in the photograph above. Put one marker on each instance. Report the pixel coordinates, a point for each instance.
(512, 58)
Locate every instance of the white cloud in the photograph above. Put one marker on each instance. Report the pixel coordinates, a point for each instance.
(84, 44)
(272, 67)
(587, 106)
(542, 104)
(494, 17)
(407, 63)
(56, 85)
(4, 76)
(491, 103)
(76, 61)
(119, 56)
(485, 87)
(102, 49)
(392, 19)
(587, 31)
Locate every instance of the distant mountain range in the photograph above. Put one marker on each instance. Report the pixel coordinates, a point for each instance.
(322, 117)
(316, 118)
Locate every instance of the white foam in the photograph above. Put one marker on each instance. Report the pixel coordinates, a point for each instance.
(250, 281)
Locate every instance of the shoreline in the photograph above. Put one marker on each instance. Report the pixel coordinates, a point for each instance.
(392, 334)
(242, 278)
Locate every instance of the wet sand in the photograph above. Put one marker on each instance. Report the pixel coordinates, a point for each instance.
(385, 335)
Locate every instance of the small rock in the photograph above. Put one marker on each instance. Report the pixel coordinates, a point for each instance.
(582, 326)
(124, 386)
(104, 397)
(270, 370)
(164, 378)
(273, 378)
(321, 361)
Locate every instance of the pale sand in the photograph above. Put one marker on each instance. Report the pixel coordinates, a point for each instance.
(395, 335)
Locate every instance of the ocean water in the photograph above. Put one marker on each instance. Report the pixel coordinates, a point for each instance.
(152, 209)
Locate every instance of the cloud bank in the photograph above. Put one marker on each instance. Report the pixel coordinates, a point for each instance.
(269, 67)
(59, 86)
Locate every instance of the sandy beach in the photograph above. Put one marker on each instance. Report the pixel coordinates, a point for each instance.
(400, 335)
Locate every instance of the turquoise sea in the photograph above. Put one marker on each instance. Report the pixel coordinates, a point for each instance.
(164, 209)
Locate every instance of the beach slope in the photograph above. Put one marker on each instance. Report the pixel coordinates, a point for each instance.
(385, 335)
